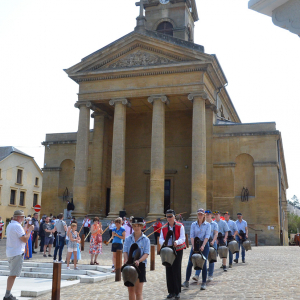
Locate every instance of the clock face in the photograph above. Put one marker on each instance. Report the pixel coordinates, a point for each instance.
(164, 1)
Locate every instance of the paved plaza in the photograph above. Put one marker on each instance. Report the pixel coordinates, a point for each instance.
(269, 273)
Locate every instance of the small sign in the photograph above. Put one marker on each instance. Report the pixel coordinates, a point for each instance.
(37, 208)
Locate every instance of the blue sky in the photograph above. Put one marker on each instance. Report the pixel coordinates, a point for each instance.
(41, 38)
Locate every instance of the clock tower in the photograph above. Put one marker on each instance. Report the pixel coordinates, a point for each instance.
(171, 17)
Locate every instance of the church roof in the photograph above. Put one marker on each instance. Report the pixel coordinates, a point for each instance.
(7, 150)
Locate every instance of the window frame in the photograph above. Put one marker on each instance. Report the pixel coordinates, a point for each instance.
(165, 30)
(37, 199)
(22, 174)
(16, 196)
(36, 181)
(24, 200)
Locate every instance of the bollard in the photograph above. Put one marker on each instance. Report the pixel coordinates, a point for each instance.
(118, 265)
(152, 264)
(36, 243)
(82, 242)
(256, 240)
(187, 240)
(56, 281)
(158, 246)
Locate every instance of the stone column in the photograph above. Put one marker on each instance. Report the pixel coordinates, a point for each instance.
(157, 177)
(96, 204)
(80, 192)
(198, 154)
(118, 157)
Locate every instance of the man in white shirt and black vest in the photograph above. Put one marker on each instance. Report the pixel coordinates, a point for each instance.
(173, 273)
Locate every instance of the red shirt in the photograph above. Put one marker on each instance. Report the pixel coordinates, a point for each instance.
(156, 226)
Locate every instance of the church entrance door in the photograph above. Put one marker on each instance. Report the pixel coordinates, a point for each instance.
(167, 197)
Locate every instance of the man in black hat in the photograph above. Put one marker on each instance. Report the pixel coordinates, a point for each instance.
(173, 273)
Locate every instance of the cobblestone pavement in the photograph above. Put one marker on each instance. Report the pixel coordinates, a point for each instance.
(269, 273)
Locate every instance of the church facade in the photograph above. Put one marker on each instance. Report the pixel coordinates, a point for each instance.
(166, 134)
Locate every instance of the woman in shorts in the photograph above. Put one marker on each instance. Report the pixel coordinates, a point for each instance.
(117, 244)
(136, 291)
(72, 245)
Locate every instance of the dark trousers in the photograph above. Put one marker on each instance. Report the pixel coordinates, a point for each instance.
(174, 275)
(34, 236)
(86, 231)
(156, 235)
(42, 244)
(110, 233)
(60, 243)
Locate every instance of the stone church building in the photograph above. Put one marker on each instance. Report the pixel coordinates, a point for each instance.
(166, 134)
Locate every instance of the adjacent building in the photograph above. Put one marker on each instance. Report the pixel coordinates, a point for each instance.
(21, 182)
(166, 134)
(284, 13)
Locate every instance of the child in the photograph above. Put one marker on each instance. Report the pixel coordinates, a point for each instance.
(72, 245)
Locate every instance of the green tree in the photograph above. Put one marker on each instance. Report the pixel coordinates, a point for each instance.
(294, 223)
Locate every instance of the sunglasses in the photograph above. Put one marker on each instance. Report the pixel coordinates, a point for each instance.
(170, 216)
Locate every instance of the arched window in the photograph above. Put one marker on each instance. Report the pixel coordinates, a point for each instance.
(165, 28)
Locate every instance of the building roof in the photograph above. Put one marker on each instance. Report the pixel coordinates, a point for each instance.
(7, 150)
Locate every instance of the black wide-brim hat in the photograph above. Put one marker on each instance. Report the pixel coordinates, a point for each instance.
(138, 221)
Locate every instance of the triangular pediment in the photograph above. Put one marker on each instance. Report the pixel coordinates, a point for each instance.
(139, 50)
(139, 58)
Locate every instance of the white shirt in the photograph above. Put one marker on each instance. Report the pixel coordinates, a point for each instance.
(86, 222)
(180, 241)
(14, 246)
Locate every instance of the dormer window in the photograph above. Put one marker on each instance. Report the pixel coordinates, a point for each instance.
(165, 28)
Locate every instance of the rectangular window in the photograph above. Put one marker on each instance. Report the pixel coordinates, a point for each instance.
(12, 197)
(0, 174)
(36, 181)
(19, 176)
(22, 199)
(35, 200)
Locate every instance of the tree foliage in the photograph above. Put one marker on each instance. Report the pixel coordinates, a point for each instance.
(294, 223)
(294, 201)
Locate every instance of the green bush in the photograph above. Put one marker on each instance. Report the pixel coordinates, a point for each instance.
(294, 223)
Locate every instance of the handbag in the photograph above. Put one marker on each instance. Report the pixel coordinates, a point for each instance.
(98, 238)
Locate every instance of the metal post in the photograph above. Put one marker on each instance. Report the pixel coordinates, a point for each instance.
(256, 240)
(56, 281)
(152, 265)
(158, 246)
(187, 240)
(82, 242)
(118, 265)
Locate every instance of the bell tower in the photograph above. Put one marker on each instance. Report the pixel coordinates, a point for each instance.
(171, 17)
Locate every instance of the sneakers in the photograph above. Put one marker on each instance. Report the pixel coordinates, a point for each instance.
(230, 266)
(203, 286)
(224, 268)
(186, 284)
(76, 268)
(244, 261)
(44, 255)
(236, 260)
(195, 277)
(68, 268)
(61, 261)
(170, 296)
(55, 260)
(209, 279)
(10, 297)
(49, 255)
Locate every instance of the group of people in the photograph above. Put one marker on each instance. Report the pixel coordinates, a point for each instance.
(212, 233)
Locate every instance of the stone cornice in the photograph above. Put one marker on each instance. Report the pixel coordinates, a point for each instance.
(224, 165)
(124, 101)
(166, 172)
(201, 94)
(163, 99)
(53, 169)
(96, 77)
(45, 143)
(236, 134)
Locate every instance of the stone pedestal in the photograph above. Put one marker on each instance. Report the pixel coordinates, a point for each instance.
(97, 203)
(198, 154)
(80, 195)
(118, 157)
(157, 177)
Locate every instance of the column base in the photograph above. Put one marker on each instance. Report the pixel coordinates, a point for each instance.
(78, 214)
(193, 217)
(154, 216)
(113, 215)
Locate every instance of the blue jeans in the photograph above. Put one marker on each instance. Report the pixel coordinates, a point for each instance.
(243, 249)
(230, 257)
(190, 266)
(60, 243)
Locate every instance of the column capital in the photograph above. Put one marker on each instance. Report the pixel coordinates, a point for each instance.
(99, 113)
(163, 98)
(124, 101)
(201, 94)
(87, 104)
